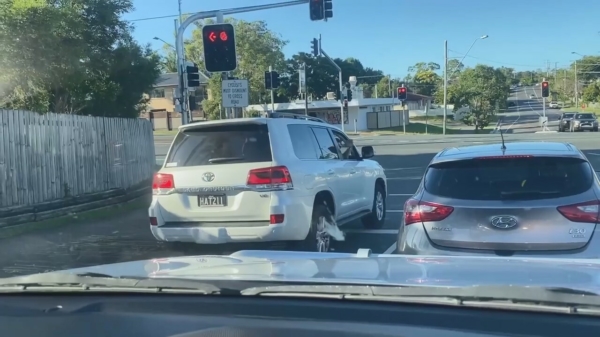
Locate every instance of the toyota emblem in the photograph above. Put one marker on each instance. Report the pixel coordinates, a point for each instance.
(208, 177)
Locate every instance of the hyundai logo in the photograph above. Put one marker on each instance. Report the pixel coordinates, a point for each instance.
(208, 177)
(504, 222)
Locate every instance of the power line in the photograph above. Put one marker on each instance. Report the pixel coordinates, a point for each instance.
(159, 17)
(493, 61)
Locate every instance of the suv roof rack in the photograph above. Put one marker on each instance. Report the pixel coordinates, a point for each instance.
(295, 116)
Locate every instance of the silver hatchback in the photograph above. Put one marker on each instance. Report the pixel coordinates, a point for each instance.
(530, 199)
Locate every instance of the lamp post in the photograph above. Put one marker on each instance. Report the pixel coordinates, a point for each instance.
(446, 75)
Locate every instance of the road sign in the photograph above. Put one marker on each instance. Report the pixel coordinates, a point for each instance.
(234, 93)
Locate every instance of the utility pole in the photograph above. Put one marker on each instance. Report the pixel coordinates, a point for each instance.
(445, 86)
(576, 86)
(305, 91)
(340, 81)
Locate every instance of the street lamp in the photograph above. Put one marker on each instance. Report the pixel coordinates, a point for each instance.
(483, 37)
(163, 41)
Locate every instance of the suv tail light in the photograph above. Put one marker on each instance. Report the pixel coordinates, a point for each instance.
(163, 183)
(583, 212)
(422, 211)
(277, 177)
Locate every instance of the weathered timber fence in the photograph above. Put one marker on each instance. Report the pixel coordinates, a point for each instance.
(53, 157)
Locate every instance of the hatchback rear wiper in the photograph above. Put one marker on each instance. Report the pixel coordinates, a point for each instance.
(224, 159)
(521, 194)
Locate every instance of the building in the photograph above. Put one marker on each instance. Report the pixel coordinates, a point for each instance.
(162, 103)
(361, 114)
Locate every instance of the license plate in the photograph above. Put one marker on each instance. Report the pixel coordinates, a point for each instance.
(212, 200)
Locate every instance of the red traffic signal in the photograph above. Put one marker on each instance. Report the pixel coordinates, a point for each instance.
(219, 47)
(401, 93)
(545, 89)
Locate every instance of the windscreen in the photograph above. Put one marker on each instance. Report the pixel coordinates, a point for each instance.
(221, 144)
(509, 178)
(585, 116)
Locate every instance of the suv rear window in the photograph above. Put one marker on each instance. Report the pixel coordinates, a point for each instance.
(221, 144)
(509, 179)
(585, 116)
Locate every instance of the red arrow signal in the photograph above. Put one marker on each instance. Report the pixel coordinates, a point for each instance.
(212, 36)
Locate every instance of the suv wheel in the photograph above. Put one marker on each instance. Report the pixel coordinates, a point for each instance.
(318, 240)
(376, 219)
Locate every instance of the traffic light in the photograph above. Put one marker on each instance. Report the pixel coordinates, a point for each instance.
(192, 103)
(315, 47)
(328, 9)
(401, 93)
(545, 89)
(338, 96)
(317, 10)
(193, 76)
(349, 94)
(219, 48)
(271, 80)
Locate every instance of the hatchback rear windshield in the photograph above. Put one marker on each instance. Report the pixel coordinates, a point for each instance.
(221, 144)
(509, 178)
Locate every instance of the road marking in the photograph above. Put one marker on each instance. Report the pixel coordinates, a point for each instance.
(593, 154)
(394, 211)
(371, 231)
(391, 249)
(404, 168)
(404, 194)
(405, 178)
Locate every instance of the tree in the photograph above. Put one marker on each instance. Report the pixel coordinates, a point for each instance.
(484, 90)
(73, 56)
(424, 79)
(257, 49)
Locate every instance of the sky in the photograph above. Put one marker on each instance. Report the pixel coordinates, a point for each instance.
(392, 35)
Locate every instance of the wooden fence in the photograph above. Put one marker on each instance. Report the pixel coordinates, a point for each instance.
(55, 156)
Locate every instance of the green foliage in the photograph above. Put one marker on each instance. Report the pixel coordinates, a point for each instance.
(483, 89)
(73, 56)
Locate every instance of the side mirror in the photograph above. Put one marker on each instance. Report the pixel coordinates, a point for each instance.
(367, 152)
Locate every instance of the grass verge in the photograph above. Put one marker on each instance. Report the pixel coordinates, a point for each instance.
(165, 132)
(77, 219)
(595, 111)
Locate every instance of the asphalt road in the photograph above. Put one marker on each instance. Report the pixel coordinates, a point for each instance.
(127, 237)
(524, 116)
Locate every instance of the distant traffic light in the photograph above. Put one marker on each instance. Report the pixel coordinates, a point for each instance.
(545, 89)
(317, 10)
(315, 47)
(402, 93)
(271, 80)
(328, 9)
(219, 48)
(193, 76)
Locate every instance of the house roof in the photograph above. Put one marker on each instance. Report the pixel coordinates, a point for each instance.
(171, 80)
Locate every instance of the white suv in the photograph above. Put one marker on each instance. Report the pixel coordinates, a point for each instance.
(264, 179)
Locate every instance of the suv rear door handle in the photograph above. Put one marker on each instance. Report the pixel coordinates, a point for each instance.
(352, 171)
(330, 172)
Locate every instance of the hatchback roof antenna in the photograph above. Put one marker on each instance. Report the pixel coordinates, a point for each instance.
(503, 147)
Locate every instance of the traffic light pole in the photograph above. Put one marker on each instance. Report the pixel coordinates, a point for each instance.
(212, 14)
(341, 85)
(272, 94)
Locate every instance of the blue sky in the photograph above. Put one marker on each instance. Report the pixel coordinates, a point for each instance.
(392, 35)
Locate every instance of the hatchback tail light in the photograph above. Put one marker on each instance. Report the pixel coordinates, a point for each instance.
(583, 212)
(422, 211)
(277, 177)
(163, 183)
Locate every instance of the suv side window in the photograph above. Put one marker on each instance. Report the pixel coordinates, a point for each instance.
(303, 141)
(346, 146)
(326, 144)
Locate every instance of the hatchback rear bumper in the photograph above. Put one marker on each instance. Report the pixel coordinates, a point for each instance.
(413, 240)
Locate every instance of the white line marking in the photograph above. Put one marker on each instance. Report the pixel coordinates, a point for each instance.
(593, 154)
(394, 211)
(371, 231)
(391, 249)
(404, 168)
(403, 194)
(405, 178)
